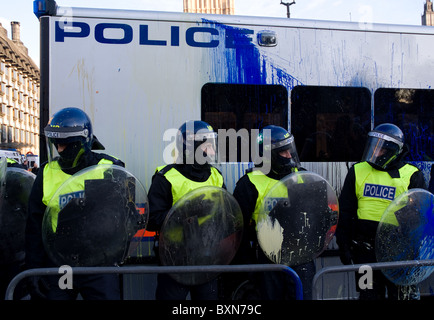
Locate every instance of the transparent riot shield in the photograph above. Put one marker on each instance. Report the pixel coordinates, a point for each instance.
(93, 216)
(202, 228)
(298, 219)
(406, 232)
(13, 213)
(3, 167)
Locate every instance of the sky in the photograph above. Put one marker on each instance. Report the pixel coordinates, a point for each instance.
(407, 12)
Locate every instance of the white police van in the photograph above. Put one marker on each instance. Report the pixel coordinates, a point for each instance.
(11, 154)
(138, 74)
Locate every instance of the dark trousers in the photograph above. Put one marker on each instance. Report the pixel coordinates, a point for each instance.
(7, 273)
(281, 286)
(169, 289)
(382, 288)
(90, 287)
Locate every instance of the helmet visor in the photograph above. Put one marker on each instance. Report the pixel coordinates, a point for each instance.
(205, 146)
(65, 145)
(381, 150)
(286, 151)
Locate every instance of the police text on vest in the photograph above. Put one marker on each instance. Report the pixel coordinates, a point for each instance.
(379, 191)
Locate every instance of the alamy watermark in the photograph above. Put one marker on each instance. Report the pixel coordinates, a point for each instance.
(66, 280)
(230, 145)
(366, 278)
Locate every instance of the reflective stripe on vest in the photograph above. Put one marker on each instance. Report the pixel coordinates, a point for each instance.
(181, 185)
(376, 189)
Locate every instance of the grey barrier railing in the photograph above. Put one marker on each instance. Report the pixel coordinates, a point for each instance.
(374, 266)
(158, 269)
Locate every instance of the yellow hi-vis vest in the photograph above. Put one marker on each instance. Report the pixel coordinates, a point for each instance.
(182, 185)
(263, 185)
(376, 189)
(54, 178)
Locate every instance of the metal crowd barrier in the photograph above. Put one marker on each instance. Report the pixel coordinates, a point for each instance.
(374, 266)
(159, 269)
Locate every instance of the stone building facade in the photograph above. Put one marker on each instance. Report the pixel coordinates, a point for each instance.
(19, 94)
(210, 6)
(428, 14)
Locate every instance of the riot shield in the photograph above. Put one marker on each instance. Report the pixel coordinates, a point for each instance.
(93, 216)
(298, 219)
(406, 232)
(13, 213)
(204, 227)
(3, 167)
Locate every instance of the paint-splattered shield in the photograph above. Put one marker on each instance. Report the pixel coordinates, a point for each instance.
(298, 219)
(406, 232)
(204, 227)
(93, 216)
(13, 213)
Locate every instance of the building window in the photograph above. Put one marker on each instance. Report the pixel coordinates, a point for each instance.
(243, 106)
(4, 133)
(330, 123)
(3, 109)
(413, 111)
(10, 134)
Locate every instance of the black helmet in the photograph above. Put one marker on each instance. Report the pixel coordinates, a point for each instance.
(383, 146)
(71, 127)
(281, 140)
(194, 135)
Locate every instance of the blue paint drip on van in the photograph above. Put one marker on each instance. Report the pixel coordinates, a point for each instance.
(245, 63)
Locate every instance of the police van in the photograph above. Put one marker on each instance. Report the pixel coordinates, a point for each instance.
(138, 74)
(11, 154)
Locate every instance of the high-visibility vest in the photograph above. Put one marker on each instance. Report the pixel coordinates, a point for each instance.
(11, 161)
(376, 189)
(182, 185)
(263, 185)
(54, 177)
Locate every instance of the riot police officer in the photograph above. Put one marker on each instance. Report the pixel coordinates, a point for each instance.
(70, 141)
(250, 192)
(369, 188)
(196, 147)
(12, 163)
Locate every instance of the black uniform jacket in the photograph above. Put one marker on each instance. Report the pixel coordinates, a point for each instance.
(36, 256)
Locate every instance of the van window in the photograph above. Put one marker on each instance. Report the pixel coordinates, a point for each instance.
(330, 123)
(243, 106)
(413, 111)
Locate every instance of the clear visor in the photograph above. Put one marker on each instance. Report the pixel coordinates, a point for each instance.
(201, 148)
(66, 145)
(285, 148)
(381, 150)
(65, 152)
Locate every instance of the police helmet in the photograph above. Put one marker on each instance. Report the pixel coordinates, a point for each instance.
(71, 129)
(385, 143)
(196, 143)
(280, 140)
